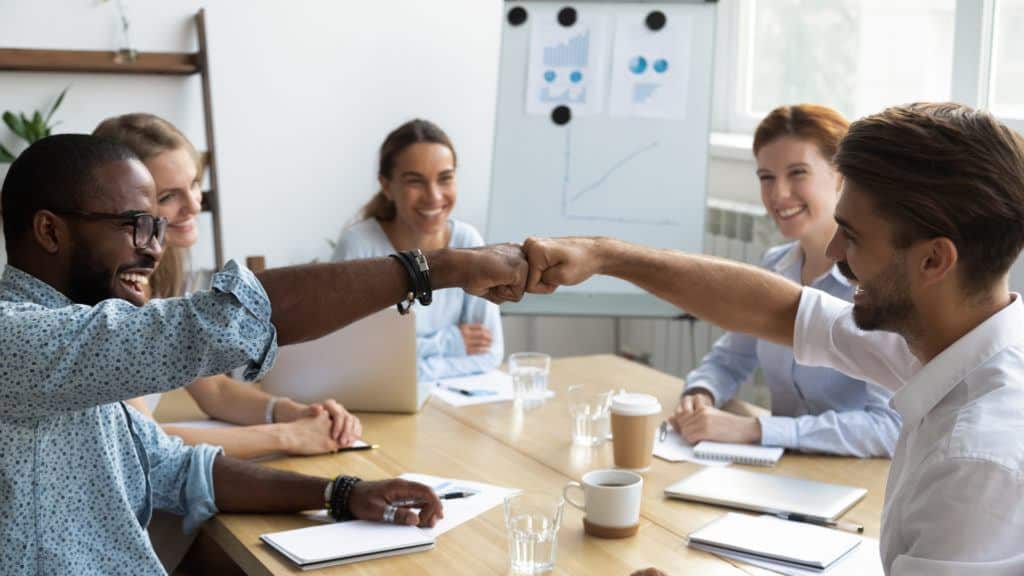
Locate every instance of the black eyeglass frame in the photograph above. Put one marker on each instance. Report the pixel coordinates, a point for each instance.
(157, 225)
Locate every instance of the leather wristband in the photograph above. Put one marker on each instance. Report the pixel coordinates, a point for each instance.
(415, 264)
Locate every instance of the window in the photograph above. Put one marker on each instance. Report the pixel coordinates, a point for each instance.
(859, 56)
(1006, 96)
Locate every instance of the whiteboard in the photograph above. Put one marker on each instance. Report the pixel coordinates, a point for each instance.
(602, 128)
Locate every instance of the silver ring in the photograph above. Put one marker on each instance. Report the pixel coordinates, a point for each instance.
(389, 513)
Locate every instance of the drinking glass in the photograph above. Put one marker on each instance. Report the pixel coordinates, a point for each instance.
(532, 520)
(529, 372)
(590, 415)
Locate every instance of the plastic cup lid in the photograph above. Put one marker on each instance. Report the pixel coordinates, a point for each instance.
(635, 404)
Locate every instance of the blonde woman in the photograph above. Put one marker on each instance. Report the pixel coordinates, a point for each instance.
(268, 425)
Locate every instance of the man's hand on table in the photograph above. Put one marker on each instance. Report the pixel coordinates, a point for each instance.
(370, 497)
(696, 419)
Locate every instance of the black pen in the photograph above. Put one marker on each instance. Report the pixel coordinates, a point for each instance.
(445, 496)
(848, 526)
(358, 448)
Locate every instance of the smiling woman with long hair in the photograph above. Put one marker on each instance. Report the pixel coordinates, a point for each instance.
(457, 334)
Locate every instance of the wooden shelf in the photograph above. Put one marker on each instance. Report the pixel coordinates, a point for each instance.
(98, 62)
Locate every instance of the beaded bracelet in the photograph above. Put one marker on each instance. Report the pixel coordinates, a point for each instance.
(342, 490)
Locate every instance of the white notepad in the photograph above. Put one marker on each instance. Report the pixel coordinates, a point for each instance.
(739, 453)
(347, 542)
(796, 543)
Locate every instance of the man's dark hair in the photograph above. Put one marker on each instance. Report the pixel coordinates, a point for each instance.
(943, 170)
(54, 173)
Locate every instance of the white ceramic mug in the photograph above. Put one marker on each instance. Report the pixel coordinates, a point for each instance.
(611, 502)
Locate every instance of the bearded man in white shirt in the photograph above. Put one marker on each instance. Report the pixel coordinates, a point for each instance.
(930, 221)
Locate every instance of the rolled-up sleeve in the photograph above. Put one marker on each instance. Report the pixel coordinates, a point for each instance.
(181, 475)
(74, 356)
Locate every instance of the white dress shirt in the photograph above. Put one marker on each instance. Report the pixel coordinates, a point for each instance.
(953, 502)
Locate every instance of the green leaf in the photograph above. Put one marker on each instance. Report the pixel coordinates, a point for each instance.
(38, 126)
(15, 124)
(5, 155)
(56, 105)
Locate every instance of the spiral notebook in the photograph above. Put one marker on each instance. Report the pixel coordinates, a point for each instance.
(738, 453)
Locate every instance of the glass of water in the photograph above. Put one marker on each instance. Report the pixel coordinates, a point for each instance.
(533, 519)
(590, 411)
(529, 372)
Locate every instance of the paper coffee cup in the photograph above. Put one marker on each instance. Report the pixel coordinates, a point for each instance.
(634, 419)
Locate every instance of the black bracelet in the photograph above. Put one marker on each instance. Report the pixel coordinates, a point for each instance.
(415, 264)
(406, 303)
(340, 495)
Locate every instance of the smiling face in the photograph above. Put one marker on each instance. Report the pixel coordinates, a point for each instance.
(799, 187)
(178, 195)
(422, 186)
(864, 252)
(104, 262)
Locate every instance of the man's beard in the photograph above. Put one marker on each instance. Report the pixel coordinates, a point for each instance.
(90, 283)
(888, 304)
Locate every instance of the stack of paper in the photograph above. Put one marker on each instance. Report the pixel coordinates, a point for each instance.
(346, 542)
(788, 547)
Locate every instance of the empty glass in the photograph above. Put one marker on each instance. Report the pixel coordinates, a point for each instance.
(590, 412)
(529, 372)
(533, 519)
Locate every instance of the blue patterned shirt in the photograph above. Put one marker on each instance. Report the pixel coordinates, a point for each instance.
(814, 409)
(80, 473)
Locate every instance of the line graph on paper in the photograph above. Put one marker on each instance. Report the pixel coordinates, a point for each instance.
(602, 191)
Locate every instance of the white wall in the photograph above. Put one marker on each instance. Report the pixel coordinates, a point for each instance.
(304, 91)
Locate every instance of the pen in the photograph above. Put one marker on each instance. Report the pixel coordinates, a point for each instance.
(848, 526)
(468, 392)
(358, 448)
(445, 496)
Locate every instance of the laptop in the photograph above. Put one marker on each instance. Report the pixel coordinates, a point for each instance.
(770, 493)
(368, 366)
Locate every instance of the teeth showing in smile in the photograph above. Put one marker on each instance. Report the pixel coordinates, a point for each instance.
(790, 212)
(430, 213)
(859, 291)
(136, 279)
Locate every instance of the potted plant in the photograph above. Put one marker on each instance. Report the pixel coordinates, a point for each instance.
(29, 128)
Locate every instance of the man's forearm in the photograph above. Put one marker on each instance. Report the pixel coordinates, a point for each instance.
(734, 296)
(241, 486)
(313, 300)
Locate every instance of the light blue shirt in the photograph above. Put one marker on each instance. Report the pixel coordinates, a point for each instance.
(813, 409)
(80, 473)
(439, 344)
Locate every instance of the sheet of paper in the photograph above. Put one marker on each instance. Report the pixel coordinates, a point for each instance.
(650, 69)
(567, 63)
(677, 449)
(864, 560)
(494, 381)
(461, 510)
(457, 511)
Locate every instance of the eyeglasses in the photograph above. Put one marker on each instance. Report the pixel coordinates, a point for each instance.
(145, 227)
